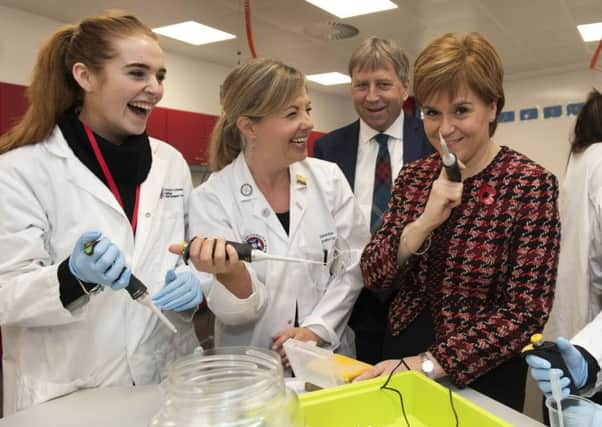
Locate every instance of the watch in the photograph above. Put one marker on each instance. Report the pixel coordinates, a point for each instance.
(427, 367)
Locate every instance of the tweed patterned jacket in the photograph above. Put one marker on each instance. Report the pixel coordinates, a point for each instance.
(489, 274)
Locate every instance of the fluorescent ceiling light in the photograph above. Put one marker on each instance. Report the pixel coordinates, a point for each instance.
(591, 32)
(193, 33)
(348, 8)
(330, 79)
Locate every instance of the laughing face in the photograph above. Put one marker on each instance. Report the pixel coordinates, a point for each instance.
(463, 122)
(119, 99)
(378, 95)
(281, 138)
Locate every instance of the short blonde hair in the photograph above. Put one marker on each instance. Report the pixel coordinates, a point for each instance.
(374, 53)
(255, 89)
(456, 60)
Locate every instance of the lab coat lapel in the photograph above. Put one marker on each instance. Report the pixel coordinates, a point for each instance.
(252, 200)
(298, 205)
(79, 175)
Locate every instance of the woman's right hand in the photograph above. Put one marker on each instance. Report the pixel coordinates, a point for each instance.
(210, 255)
(444, 196)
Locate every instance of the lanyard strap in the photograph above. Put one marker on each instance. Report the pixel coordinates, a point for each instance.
(110, 181)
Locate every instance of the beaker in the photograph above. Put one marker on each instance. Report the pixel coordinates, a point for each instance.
(577, 411)
(228, 387)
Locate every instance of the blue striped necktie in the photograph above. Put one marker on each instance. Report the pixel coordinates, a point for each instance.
(382, 182)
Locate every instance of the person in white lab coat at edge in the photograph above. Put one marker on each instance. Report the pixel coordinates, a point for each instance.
(577, 310)
(79, 167)
(267, 192)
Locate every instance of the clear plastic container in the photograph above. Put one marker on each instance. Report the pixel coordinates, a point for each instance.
(228, 387)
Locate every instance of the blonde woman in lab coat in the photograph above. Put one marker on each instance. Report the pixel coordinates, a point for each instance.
(80, 167)
(267, 192)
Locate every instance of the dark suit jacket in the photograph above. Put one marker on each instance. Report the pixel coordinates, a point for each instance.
(340, 145)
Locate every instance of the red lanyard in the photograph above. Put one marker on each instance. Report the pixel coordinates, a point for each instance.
(107, 173)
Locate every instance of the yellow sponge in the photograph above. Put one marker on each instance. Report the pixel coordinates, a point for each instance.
(349, 368)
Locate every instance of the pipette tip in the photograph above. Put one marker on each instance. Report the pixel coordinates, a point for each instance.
(146, 300)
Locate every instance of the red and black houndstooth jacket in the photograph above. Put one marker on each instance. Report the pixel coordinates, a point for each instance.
(489, 274)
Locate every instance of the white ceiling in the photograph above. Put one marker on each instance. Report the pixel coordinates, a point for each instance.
(532, 36)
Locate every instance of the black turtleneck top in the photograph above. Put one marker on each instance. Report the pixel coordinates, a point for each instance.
(129, 164)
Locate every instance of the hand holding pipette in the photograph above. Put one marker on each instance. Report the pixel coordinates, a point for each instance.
(106, 266)
(544, 357)
(244, 252)
(445, 194)
(98, 260)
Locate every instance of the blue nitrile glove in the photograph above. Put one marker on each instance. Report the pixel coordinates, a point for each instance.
(104, 266)
(181, 292)
(574, 361)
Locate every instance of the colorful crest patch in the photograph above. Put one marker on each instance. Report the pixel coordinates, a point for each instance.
(257, 241)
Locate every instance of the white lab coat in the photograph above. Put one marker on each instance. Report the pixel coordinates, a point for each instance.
(579, 281)
(323, 215)
(48, 199)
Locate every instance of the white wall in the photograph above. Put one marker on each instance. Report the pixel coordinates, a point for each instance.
(191, 85)
(545, 140)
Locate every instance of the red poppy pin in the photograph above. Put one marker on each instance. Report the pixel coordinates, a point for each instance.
(486, 194)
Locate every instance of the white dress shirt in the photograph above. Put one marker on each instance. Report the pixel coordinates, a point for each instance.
(367, 152)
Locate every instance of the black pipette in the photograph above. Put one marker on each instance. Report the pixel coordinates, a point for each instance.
(450, 162)
(549, 351)
(246, 253)
(137, 290)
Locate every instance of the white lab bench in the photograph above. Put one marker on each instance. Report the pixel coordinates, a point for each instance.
(134, 407)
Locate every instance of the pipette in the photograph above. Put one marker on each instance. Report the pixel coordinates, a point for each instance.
(549, 351)
(137, 290)
(450, 161)
(557, 394)
(246, 253)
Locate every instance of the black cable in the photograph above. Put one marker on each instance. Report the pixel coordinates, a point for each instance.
(403, 409)
(384, 387)
(451, 402)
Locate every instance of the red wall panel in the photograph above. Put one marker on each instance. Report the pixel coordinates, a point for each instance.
(13, 105)
(157, 124)
(187, 131)
(310, 141)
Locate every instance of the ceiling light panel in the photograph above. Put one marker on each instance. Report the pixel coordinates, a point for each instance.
(330, 79)
(192, 32)
(590, 32)
(349, 8)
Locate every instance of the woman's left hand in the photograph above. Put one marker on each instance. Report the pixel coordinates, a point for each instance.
(301, 334)
(383, 368)
(414, 363)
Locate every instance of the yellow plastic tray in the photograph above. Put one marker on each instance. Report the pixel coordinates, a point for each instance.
(364, 404)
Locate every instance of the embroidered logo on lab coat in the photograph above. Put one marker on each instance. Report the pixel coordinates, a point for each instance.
(171, 193)
(257, 241)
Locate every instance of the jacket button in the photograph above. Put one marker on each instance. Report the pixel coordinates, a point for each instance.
(147, 215)
(290, 322)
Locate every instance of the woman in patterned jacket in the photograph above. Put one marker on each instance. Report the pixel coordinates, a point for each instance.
(474, 262)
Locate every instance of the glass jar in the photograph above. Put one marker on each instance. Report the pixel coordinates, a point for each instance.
(228, 387)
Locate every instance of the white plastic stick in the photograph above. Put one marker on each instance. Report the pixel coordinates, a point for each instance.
(262, 256)
(557, 394)
(147, 301)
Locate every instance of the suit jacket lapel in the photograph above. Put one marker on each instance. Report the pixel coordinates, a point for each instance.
(411, 144)
(349, 152)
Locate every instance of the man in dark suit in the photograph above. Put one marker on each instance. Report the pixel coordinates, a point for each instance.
(370, 152)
